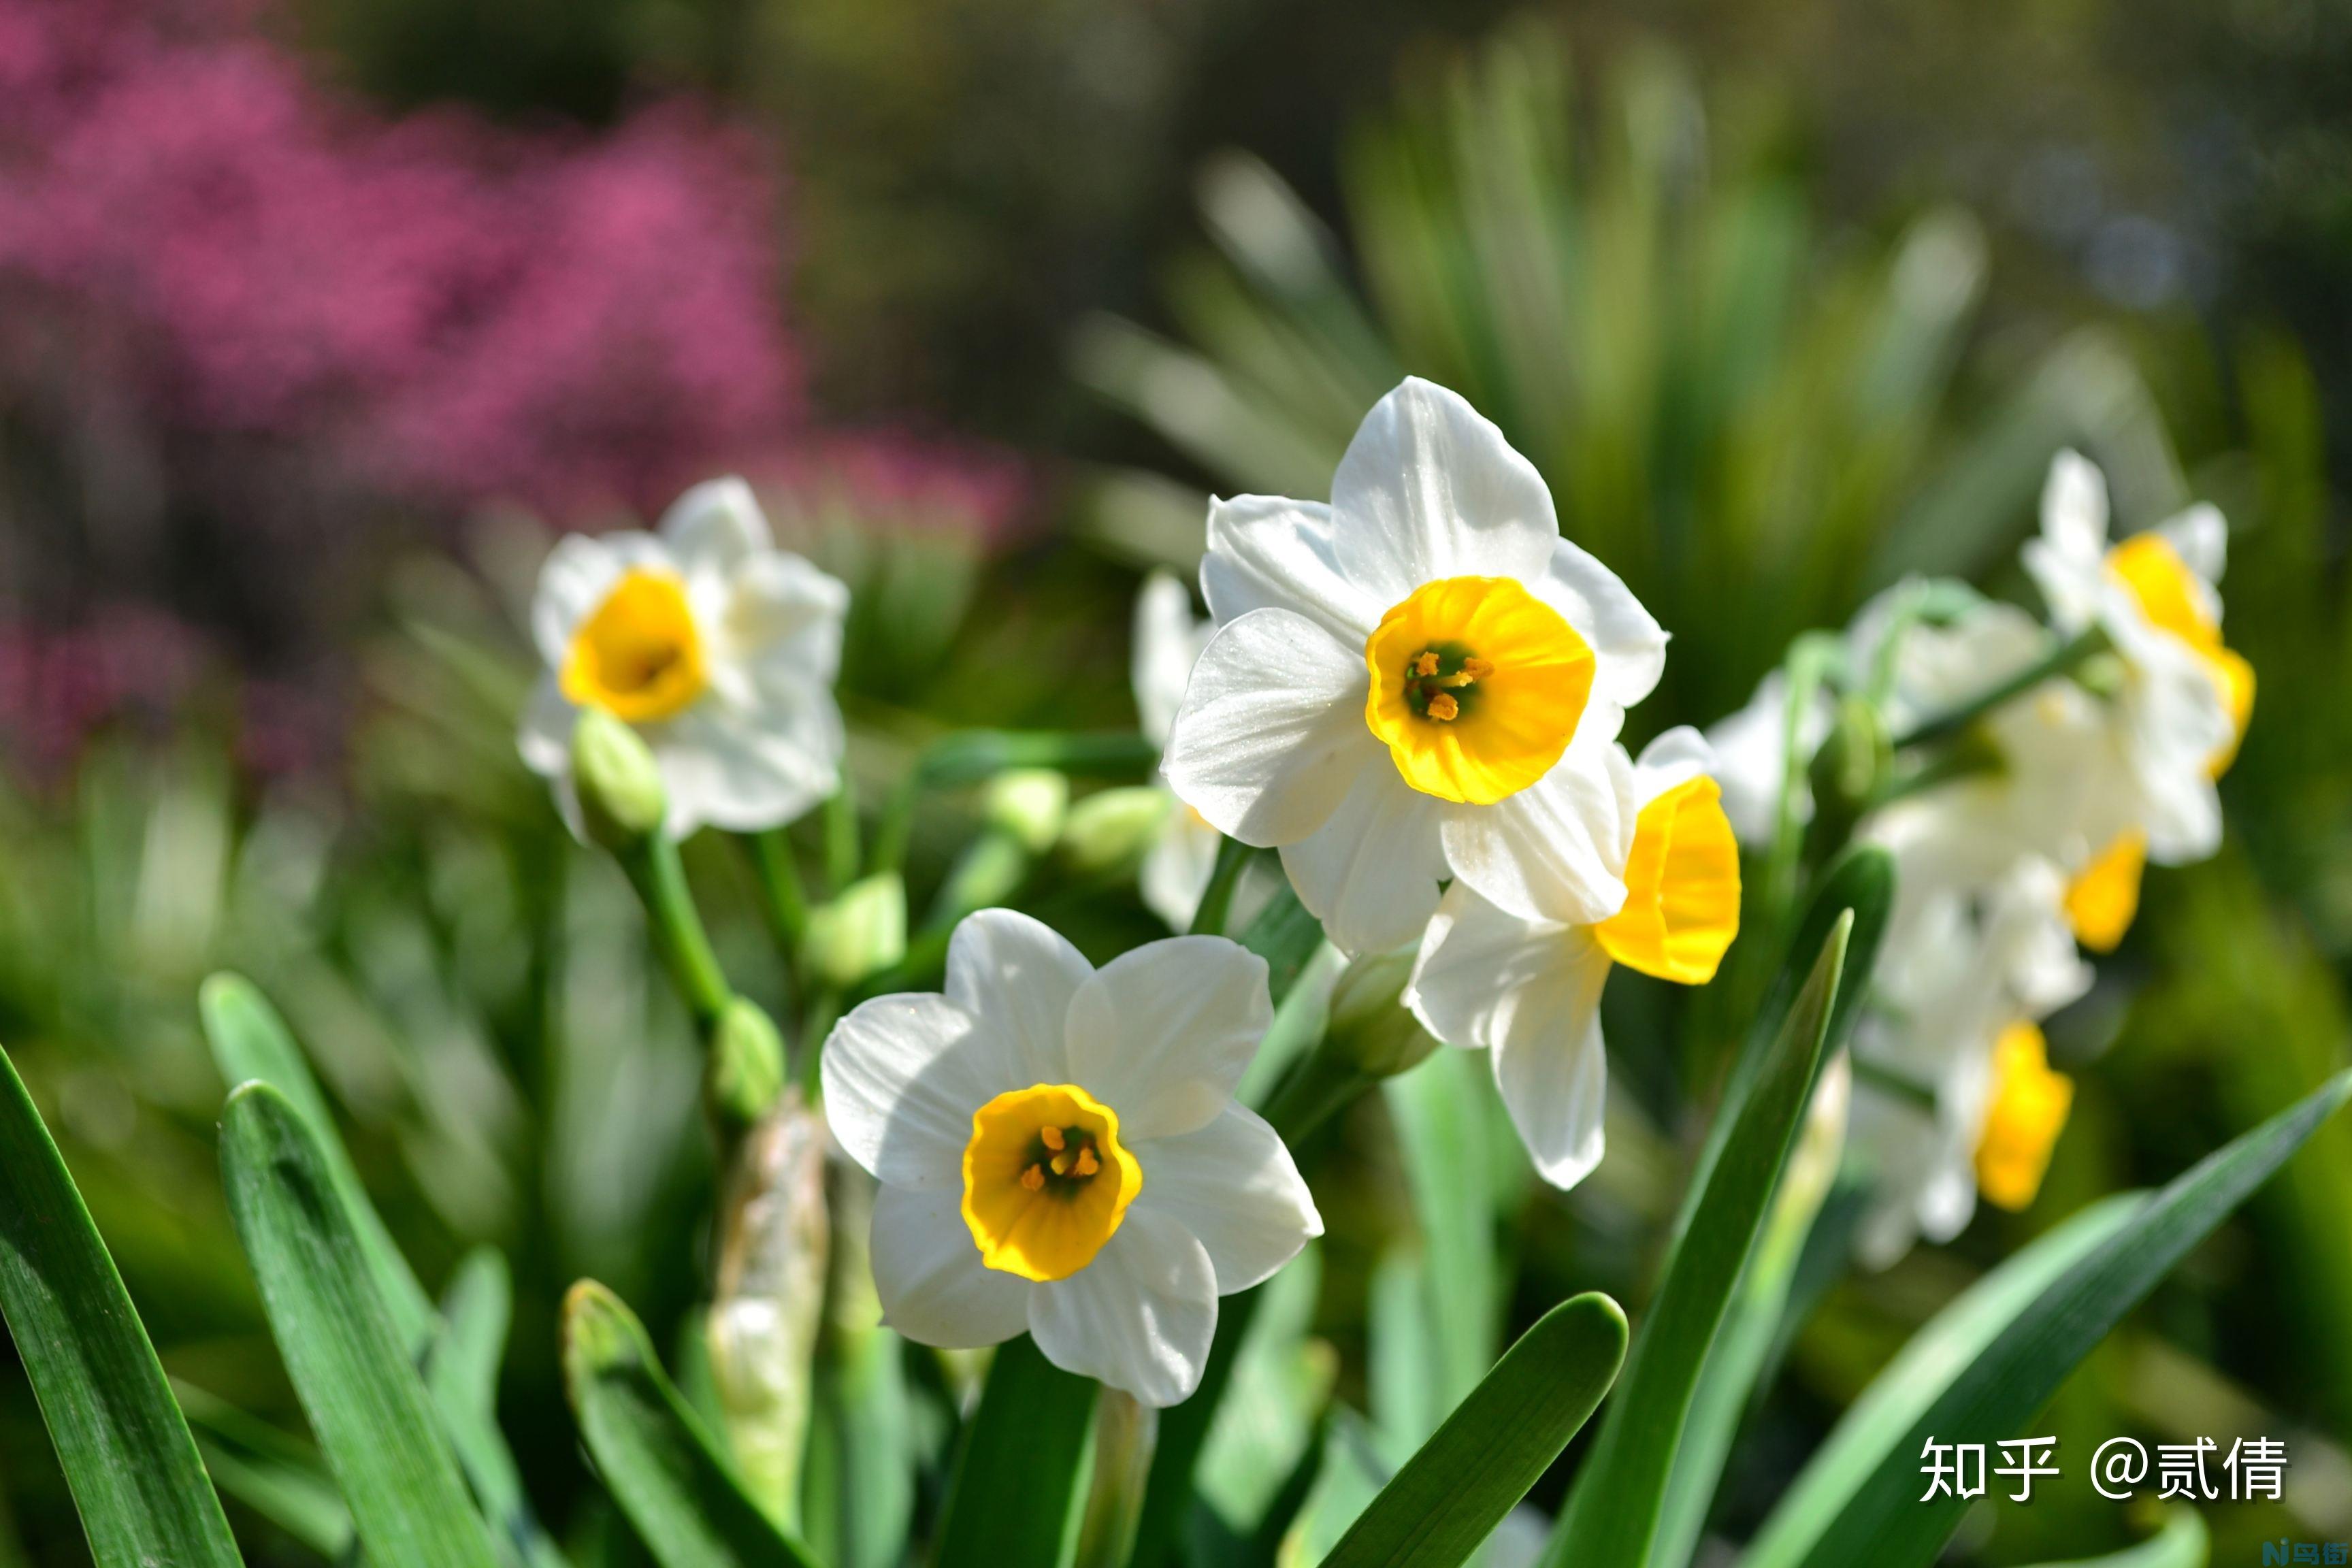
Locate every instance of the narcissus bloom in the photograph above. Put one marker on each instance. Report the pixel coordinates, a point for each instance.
(1528, 991)
(1953, 1092)
(1168, 642)
(1419, 681)
(1060, 1152)
(718, 647)
(2181, 699)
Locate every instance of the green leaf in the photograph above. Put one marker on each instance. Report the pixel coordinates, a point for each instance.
(364, 1399)
(1440, 1131)
(1613, 1512)
(1287, 937)
(120, 1435)
(1452, 1494)
(1010, 1503)
(2183, 1543)
(1884, 1523)
(461, 1371)
(250, 1043)
(657, 1460)
(1866, 1435)
(275, 1474)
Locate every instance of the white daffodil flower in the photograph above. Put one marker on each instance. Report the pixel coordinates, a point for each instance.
(1060, 1152)
(2182, 699)
(718, 647)
(1528, 991)
(1954, 1095)
(1752, 757)
(1421, 679)
(1168, 642)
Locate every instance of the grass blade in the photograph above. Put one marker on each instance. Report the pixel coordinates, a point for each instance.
(1452, 1494)
(2183, 1543)
(657, 1460)
(274, 1473)
(1924, 1370)
(1010, 1503)
(119, 1433)
(1884, 1524)
(1613, 1512)
(364, 1399)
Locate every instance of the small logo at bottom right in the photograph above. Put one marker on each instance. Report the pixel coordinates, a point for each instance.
(2284, 1551)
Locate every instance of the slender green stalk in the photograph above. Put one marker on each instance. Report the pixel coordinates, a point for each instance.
(1217, 897)
(2063, 660)
(1126, 1434)
(841, 847)
(780, 887)
(823, 1012)
(659, 877)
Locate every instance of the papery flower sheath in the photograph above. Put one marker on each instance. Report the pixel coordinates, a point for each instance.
(719, 648)
(1528, 991)
(1417, 681)
(1060, 1152)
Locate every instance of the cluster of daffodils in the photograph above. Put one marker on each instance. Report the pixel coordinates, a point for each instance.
(2022, 841)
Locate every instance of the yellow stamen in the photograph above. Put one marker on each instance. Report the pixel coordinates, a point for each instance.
(2175, 601)
(639, 655)
(1044, 1212)
(1476, 688)
(2027, 1112)
(2104, 895)
(1682, 888)
(1052, 1138)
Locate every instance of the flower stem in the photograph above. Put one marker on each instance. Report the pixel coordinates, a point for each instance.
(2063, 660)
(841, 847)
(1127, 1432)
(659, 877)
(780, 884)
(1217, 897)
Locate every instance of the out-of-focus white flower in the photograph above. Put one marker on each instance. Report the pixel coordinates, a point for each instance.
(1168, 643)
(1528, 991)
(718, 647)
(1060, 1152)
(1953, 1093)
(2182, 698)
(1419, 680)
(1752, 757)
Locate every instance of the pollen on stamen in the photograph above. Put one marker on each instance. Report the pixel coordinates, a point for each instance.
(1087, 1164)
(1442, 707)
(1426, 664)
(1052, 1138)
(1477, 668)
(1033, 1178)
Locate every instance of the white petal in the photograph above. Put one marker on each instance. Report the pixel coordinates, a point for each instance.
(2075, 507)
(782, 616)
(1267, 552)
(544, 738)
(1679, 755)
(1139, 1317)
(927, 1269)
(1629, 647)
(2201, 536)
(1555, 1081)
(1166, 642)
(1176, 867)
(1272, 731)
(715, 527)
(903, 1075)
(1751, 750)
(1556, 849)
(1429, 489)
(1162, 1033)
(1018, 975)
(1234, 1187)
(747, 770)
(577, 575)
(1369, 874)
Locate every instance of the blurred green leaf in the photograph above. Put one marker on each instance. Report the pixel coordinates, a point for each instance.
(1442, 1135)
(2183, 1543)
(655, 1457)
(1935, 1356)
(1883, 1523)
(367, 1405)
(126, 1450)
(1010, 1504)
(1450, 1496)
(1613, 1513)
(279, 1475)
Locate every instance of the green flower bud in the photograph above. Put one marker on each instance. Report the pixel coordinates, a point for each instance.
(1028, 805)
(862, 930)
(622, 798)
(1111, 827)
(1853, 760)
(746, 1069)
(1371, 1026)
(2102, 675)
